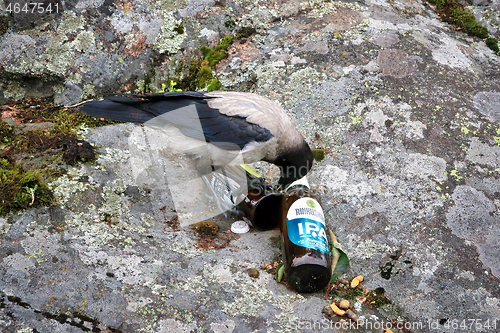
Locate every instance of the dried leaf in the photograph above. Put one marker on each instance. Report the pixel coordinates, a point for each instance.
(337, 310)
(355, 282)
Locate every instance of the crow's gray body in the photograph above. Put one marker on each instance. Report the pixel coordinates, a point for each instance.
(221, 128)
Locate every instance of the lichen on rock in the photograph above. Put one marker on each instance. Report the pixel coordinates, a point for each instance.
(170, 37)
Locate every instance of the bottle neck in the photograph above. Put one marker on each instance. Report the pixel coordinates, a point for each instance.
(300, 183)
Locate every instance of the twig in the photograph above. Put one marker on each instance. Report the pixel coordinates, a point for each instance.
(77, 104)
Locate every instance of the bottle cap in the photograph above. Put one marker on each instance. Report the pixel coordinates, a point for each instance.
(302, 181)
(240, 227)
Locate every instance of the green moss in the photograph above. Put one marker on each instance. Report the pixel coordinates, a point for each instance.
(348, 293)
(205, 50)
(214, 85)
(4, 24)
(438, 3)
(318, 154)
(460, 16)
(202, 75)
(45, 149)
(377, 297)
(492, 43)
(200, 72)
(230, 24)
(179, 29)
(213, 56)
(205, 73)
(473, 28)
(21, 190)
(465, 20)
(455, 13)
(39, 152)
(224, 44)
(6, 133)
(245, 32)
(55, 145)
(65, 120)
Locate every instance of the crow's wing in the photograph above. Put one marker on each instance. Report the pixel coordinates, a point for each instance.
(188, 111)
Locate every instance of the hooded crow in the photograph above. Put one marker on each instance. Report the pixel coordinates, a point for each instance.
(223, 128)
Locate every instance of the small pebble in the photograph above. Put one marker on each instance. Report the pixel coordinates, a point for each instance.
(327, 311)
(252, 272)
(344, 304)
(354, 317)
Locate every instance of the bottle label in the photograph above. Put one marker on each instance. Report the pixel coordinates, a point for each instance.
(305, 222)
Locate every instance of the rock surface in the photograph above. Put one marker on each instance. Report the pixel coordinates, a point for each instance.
(407, 107)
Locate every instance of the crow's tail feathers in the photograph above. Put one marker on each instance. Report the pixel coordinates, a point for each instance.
(116, 108)
(139, 108)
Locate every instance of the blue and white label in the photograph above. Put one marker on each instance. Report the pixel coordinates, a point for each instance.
(305, 222)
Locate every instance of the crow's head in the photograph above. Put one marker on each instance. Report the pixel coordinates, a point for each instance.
(294, 163)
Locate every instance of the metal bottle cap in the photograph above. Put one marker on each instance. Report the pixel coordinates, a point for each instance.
(240, 227)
